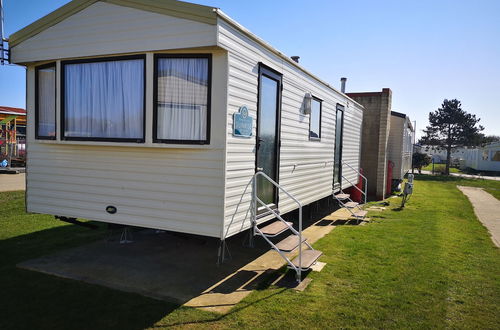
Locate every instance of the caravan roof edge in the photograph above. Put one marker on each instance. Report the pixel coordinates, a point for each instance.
(265, 44)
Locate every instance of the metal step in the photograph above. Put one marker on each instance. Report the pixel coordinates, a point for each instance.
(290, 243)
(275, 228)
(342, 196)
(351, 204)
(309, 257)
(360, 214)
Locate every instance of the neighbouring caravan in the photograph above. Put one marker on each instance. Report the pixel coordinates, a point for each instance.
(159, 114)
(400, 145)
(485, 158)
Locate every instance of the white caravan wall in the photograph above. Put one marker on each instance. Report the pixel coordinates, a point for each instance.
(395, 146)
(171, 187)
(483, 159)
(104, 28)
(407, 151)
(311, 178)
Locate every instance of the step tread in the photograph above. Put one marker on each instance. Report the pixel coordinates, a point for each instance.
(351, 204)
(309, 257)
(342, 196)
(360, 214)
(290, 243)
(275, 228)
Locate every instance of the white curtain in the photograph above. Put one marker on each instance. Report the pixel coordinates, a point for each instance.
(182, 98)
(104, 99)
(46, 102)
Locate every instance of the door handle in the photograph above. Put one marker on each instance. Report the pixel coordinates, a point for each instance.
(259, 140)
(259, 169)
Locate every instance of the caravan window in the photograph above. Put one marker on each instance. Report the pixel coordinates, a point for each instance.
(182, 98)
(103, 99)
(45, 108)
(315, 120)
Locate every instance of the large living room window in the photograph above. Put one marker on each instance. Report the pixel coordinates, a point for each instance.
(45, 104)
(103, 99)
(182, 98)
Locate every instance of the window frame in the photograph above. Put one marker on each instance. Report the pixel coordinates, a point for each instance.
(159, 56)
(317, 99)
(37, 96)
(96, 60)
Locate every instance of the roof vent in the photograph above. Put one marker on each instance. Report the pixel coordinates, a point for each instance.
(295, 58)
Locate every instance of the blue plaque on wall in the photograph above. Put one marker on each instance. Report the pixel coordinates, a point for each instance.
(242, 123)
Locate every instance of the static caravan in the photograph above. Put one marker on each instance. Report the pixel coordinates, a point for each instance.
(486, 158)
(159, 114)
(400, 145)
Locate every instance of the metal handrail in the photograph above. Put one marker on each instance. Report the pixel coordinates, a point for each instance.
(277, 186)
(256, 199)
(353, 185)
(293, 230)
(360, 174)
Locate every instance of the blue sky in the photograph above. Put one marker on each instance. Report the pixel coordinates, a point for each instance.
(423, 50)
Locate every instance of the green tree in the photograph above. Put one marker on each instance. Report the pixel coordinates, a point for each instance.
(420, 160)
(451, 127)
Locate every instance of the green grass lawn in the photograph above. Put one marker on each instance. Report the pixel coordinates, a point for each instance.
(430, 265)
(440, 168)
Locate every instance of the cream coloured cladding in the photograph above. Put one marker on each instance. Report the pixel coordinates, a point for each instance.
(400, 146)
(152, 185)
(407, 150)
(185, 188)
(306, 167)
(395, 145)
(104, 28)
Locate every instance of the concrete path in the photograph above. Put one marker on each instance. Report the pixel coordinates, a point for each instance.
(12, 182)
(487, 209)
(469, 176)
(178, 268)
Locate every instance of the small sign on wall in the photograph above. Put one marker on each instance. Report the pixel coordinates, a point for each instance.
(242, 123)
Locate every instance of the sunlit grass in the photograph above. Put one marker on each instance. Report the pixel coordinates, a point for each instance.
(429, 265)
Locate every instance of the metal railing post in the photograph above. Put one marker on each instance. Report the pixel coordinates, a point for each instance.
(299, 233)
(300, 244)
(365, 190)
(254, 199)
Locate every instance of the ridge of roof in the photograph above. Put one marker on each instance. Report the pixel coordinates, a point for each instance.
(174, 8)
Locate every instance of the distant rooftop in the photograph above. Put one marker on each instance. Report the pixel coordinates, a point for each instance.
(12, 111)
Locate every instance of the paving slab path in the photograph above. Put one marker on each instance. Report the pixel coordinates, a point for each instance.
(487, 209)
(468, 176)
(12, 182)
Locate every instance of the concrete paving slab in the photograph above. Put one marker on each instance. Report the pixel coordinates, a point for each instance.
(12, 182)
(177, 268)
(288, 281)
(487, 209)
(318, 266)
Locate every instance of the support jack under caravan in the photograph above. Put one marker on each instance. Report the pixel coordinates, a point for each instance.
(76, 222)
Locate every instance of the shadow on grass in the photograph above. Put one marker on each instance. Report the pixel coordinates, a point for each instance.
(282, 280)
(35, 300)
